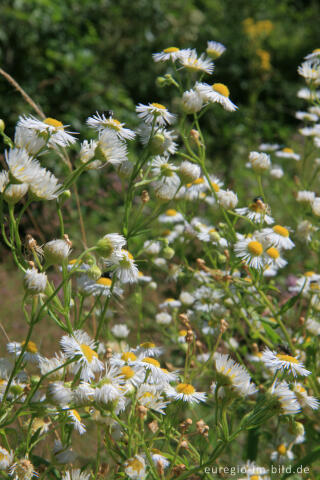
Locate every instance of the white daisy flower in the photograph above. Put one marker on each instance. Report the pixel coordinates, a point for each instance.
(56, 251)
(274, 259)
(125, 358)
(148, 349)
(190, 61)
(34, 282)
(307, 94)
(276, 172)
(159, 460)
(185, 392)
(31, 353)
(227, 199)
(123, 267)
(29, 140)
(76, 421)
(282, 453)
(22, 469)
(257, 212)
(306, 116)
(12, 193)
(216, 93)
(22, 167)
(277, 236)
(162, 141)
(192, 191)
(191, 101)
(170, 303)
(6, 458)
(310, 70)
(79, 344)
(283, 362)
(234, 375)
(260, 161)
(120, 330)
(305, 196)
(101, 123)
(45, 186)
(50, 129)
(170, 53)
(288, 153)
(135, 468)
(111, 149)
(163, 318)
(303, 398)
(133, 375)
(251, 251)
(286, 398)
(88, 152)
(313, 326)
(215, 49)
(155, 113)
(110, 385)
(59, 393)
(189, 172)
(171, 216)
(76, 475)
(314, 54)
(153, 369)
(269, 147)
(46, 365)
(150, 397)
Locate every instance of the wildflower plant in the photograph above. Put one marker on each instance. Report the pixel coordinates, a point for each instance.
(183, 341)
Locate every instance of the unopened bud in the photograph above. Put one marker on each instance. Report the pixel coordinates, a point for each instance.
(195, 137)
(153, 426)
(94, 272)
(223, 325)
(161, 82)
(2, 125)
(301, 320)
(184, 444)
(142, 411)
(168, 253)
(145, 198)
(65, 195)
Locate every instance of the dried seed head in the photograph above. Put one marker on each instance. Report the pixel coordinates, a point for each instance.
(223, 325)
(153, 426)
(184, 444)
(301, 320)
(67, 239)
(142, 411)
(145, 196)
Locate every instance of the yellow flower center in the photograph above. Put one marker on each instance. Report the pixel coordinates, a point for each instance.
(73, 261)
(221, 88)
(76, 414)
(126, 356)
(127, 372)
(300, 389)
(255, 248)
(88, 352)
(255, 477)
(309, 274)
(53, 122)
(158, 105)
(147, 345)
(128, 253)
(198, 181)
(170, 300)
(152, 361)
(171, 50)
(116, 122)
(281, 230)
(135, 464)
(287, 358)
(287, 150)
(147, 395)
(31, 347)
(273, 253)
(182, 333)
(215, 186)
(106, 282)
(282, 449)
(185, 388)
(171, 212)
(317, 50)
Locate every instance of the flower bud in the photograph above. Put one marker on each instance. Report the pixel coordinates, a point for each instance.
(227, 199)
(2, 125)
(168, 253)
(13, 193)
(56, 251)
(157, 144)
(94, 272)
(65, 195)
(189, 172)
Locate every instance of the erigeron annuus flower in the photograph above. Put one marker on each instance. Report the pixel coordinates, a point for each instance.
(189, 172)
(314, 54)
(56, 251)
(288, 153)
(307, 94)
(110, 244)
(227, 199)
(162, 141)
(273, 258)
(163, 318)
(80, 345)
(76, 475)
(277, 236)
(12, 192)
(110, 148)
(282, 453)
(155, 113)
(29, 140)
(159, 460)
(316, 206)
(6, 458)
(46, 365)
(101, 123)
(75, 418)
(268, 147)
(22, 167)
(257, 212)
(185, 392)
(148, 349)
(305, 196)
(59, 393)
(190, 61)
(34, 282)
(216, 93)
(50, 129)
(283, 362)
(310, 70)
(170, 303)
(171, 216)
(194, 189)
(150, 397)
(313, 326)
(251, 251)
(120, 330)
(260, 161)
(110, 385)
(135, 468)
(87, 154)
(215, 49)
(45, 185)
(22, 469)
(233, 375)
(170, 53)
(276, 172)
(306, 116)
(191, 101)
(123, 266)
(30, 354)
(287, 400)
(303, 398)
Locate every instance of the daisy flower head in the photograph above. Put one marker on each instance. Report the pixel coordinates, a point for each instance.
(57, 251)
(12, 193)
(257, 211)
(123, 267)
(251, 252)
(148, 349)
(22, 469)
(101, 123)
(191, 62)
(150, 397)
(6, 458)
(191, 101)
(171, 216)
(80, 345)
(230, 373)
(278, 236)
(188, 171)
(170, 53)
(45, 186)
(305, 196)
(310, 70)
(194, 189)
(286, 398)
(307, 94)
(185, 392)
(303, 398)
(159, 460)
(30, 354)
(306, 116)
(76, 421)
(29, 140)
(283, 362)
(161, 143)
(34, 282)
(216, 93)
(314, 54)
(76, 474)
(288, 153)
(110, 244)
(259, 161)
(215, 49)
(276, 171)
(22, 167)
(51, 129)
(227, 199)
(120, 330)
(135, 468)
(87, 154)
(155, 113)
(273, 258)
(110, 148)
